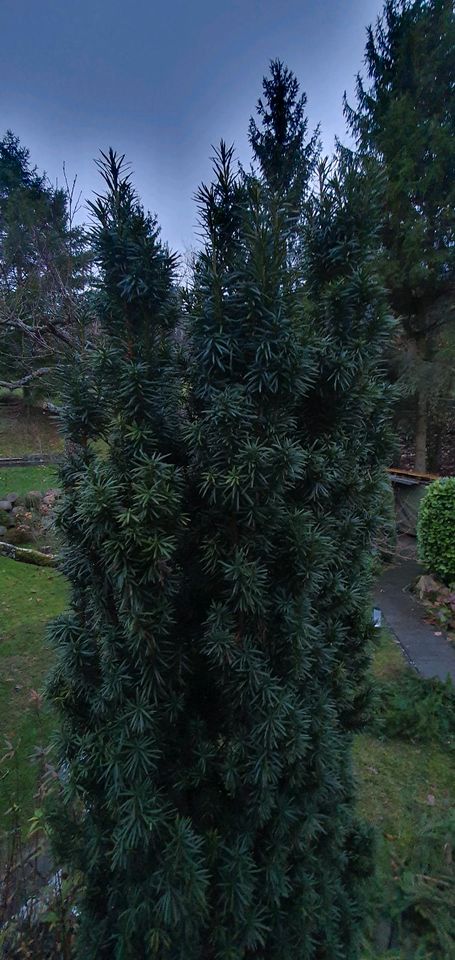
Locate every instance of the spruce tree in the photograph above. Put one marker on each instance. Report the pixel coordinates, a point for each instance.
(285, 154)
(403, 122)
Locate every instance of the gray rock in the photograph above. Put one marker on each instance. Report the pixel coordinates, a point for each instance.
(51, 496)
(12, 497)
(2, 531)
(6, 505)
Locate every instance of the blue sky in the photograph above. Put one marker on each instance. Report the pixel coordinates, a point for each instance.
(162, 82)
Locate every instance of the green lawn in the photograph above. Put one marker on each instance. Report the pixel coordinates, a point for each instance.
(22, 431)
(406, 790)
(26, 429)
(29, 597)
(21, 480)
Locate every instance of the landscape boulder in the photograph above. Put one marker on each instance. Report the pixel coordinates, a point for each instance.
(428, 588)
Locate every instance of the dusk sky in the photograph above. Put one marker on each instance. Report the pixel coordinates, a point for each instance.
(163, 82)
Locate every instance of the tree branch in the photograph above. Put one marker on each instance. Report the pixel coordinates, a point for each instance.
(14, 385)
(49, 407)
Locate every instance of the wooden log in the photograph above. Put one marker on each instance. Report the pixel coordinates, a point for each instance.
(26, 555)
(413, 474)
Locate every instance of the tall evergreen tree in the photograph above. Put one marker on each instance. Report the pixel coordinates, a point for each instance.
(404, 122)
(284, 152)
(287, 466)
(211, 668)
(117, 684)
(284, 556)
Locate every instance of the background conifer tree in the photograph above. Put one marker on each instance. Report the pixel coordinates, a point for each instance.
(403, 122)
(286, 155)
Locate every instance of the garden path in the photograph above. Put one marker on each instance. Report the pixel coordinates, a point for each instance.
(427, 648)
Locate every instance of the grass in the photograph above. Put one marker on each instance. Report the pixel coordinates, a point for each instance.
(396, 778)
(30, 596)
(25, 429)
(388, 660)
(406, 790)
(21, 480)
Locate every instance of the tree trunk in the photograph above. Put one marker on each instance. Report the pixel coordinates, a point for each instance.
(28, 394)
(421, 432)
(436, 430)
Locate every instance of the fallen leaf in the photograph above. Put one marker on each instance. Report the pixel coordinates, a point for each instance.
(35, 698)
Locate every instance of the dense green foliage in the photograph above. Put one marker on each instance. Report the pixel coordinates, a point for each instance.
(436, 529)
(403, 124)
(395, 779)
(405, 120)
(120, 669)
(211, 669)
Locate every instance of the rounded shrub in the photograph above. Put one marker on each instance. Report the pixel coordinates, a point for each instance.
(436, 529)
